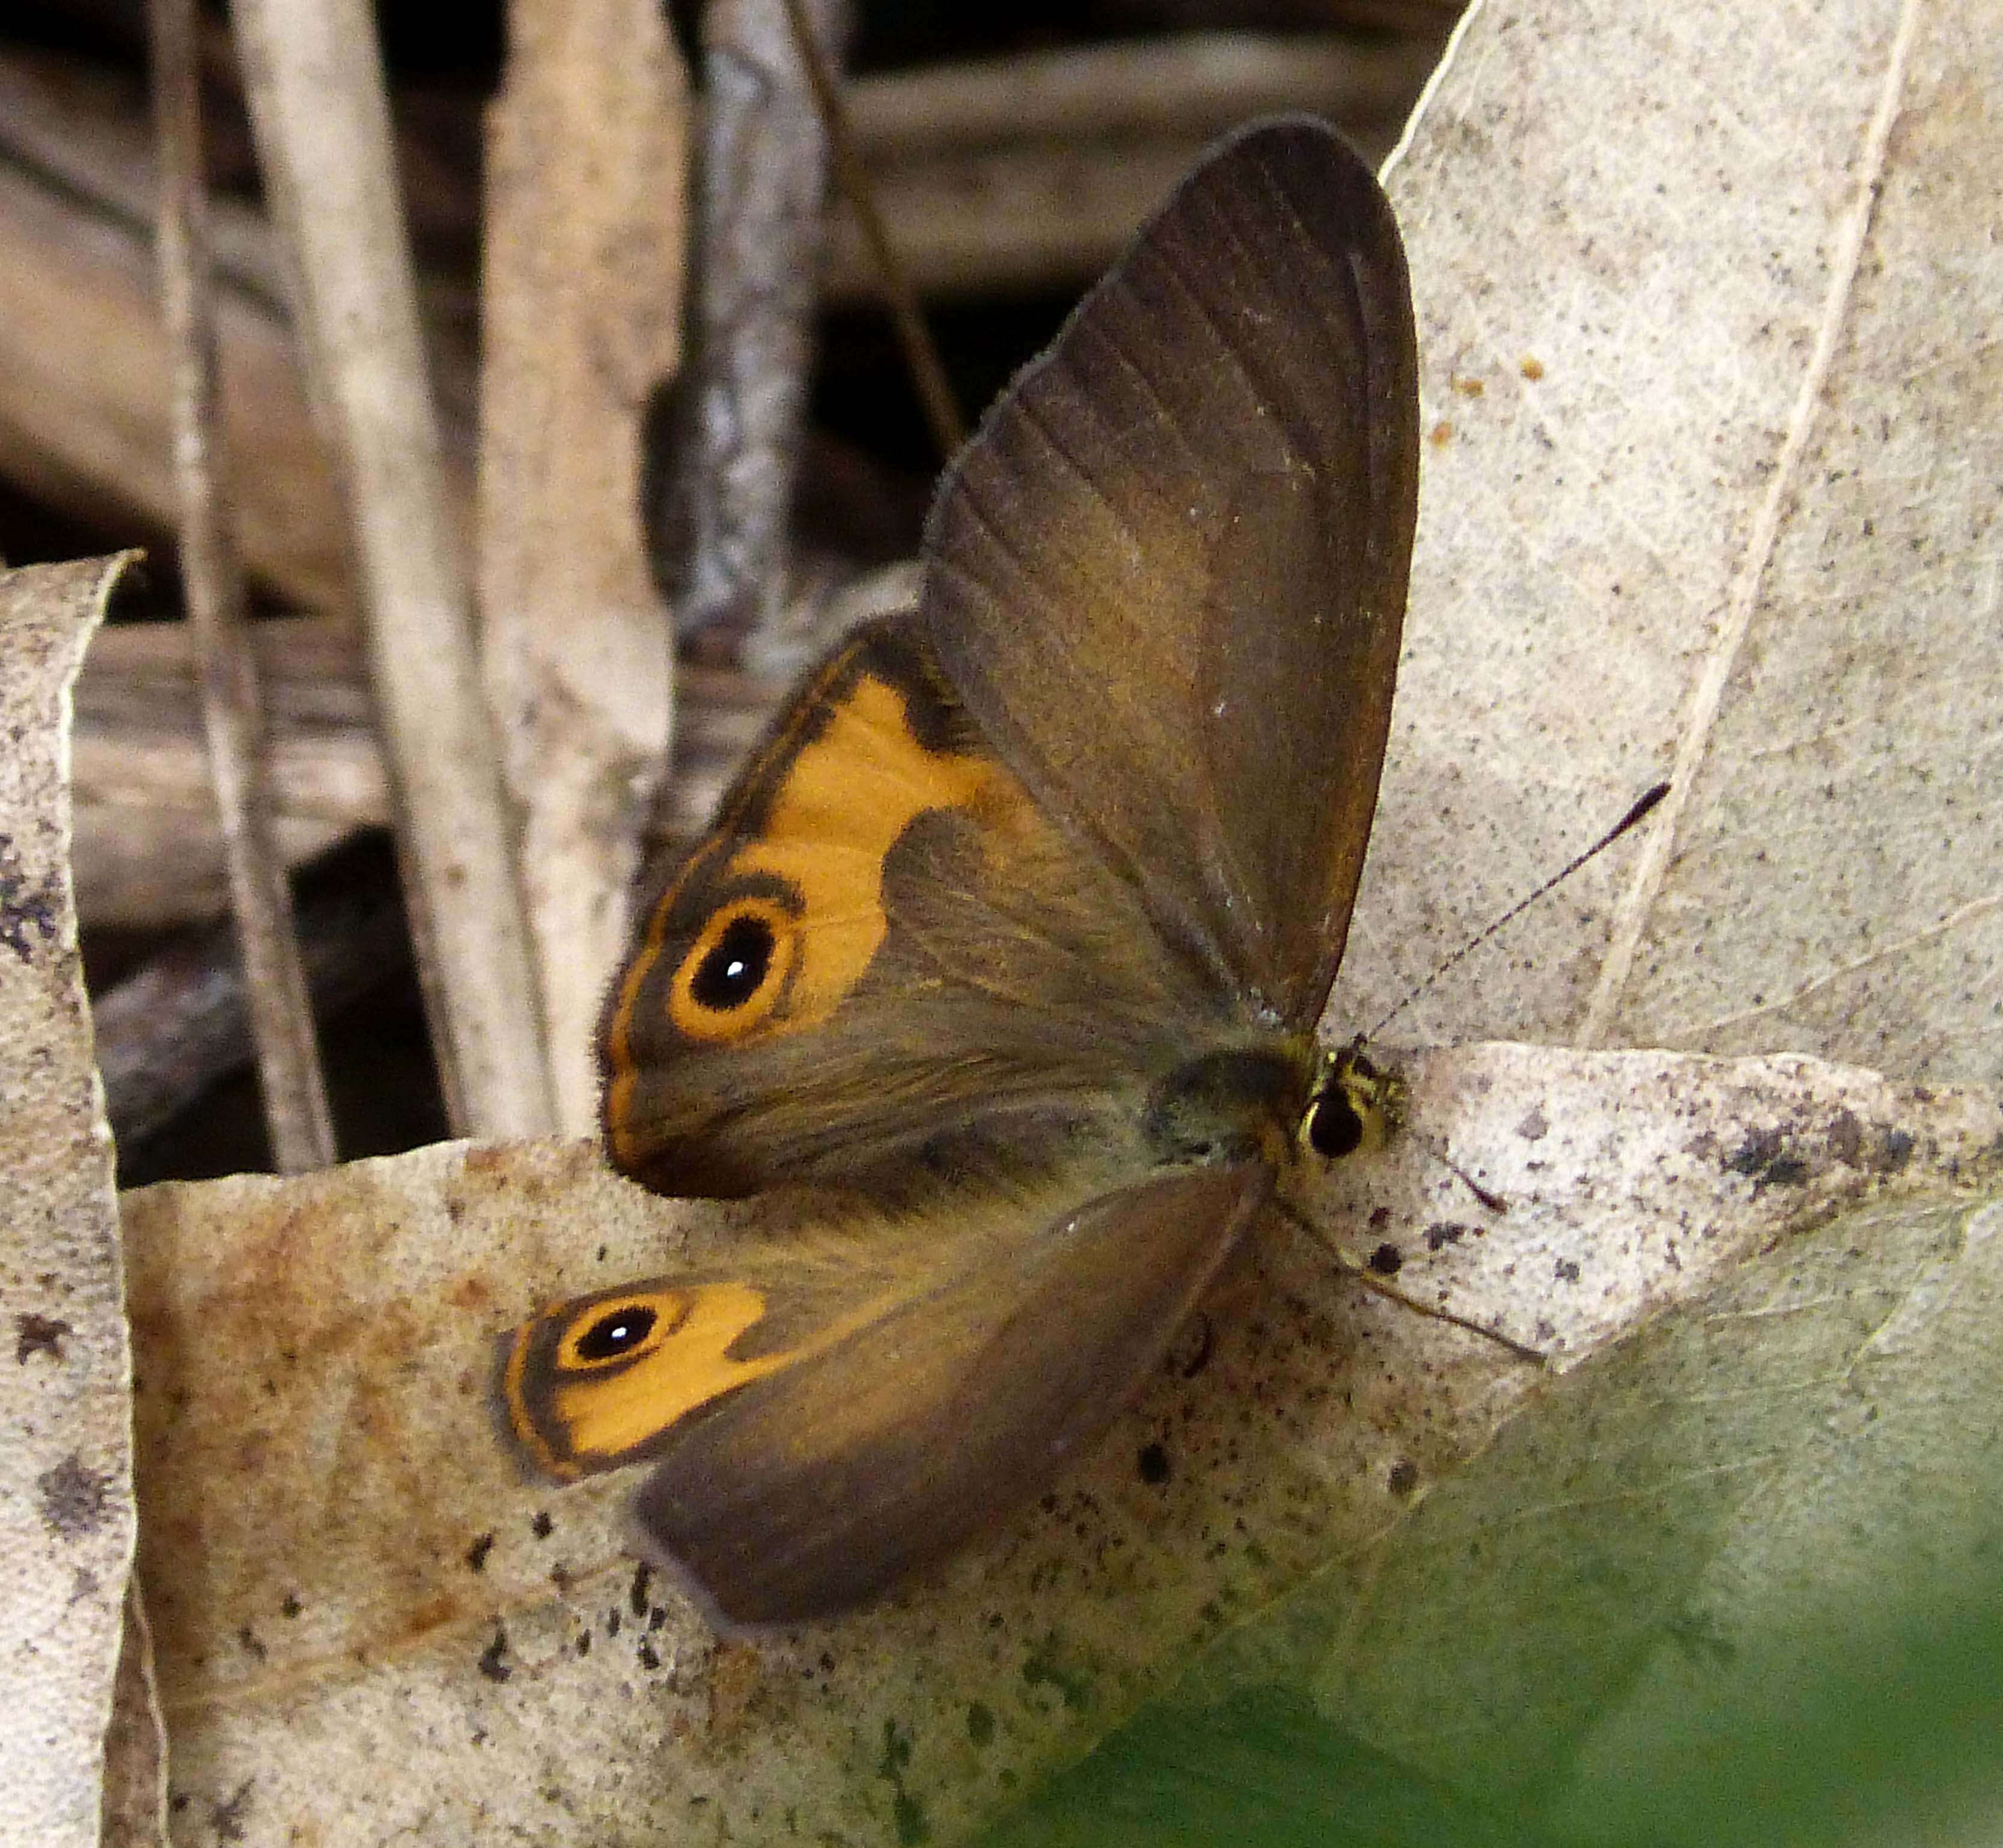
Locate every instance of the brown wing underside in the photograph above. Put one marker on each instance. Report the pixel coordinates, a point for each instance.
(951, 980)
(1168, 575)
(1099, 809)
(817, 1487)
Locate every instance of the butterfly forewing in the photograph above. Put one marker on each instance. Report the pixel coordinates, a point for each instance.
(886, 966)
(1167, 575)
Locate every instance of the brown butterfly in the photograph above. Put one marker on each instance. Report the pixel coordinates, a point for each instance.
(1018, 927)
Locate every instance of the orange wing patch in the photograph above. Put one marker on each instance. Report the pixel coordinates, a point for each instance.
(799, 853)
(594, 1384)
(833, 822)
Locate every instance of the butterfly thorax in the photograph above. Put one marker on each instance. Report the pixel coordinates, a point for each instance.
(1241, 1103)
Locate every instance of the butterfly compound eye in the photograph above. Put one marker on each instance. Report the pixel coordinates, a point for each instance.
(733, 975)
(1357, 1104)
(1334, 1129)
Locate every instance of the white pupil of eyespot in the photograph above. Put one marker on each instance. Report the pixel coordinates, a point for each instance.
(734, 969)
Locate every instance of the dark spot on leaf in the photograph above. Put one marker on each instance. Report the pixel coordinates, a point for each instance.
(76, 1498)
(26, 906)
(643, 1576)
(226, 1818)
(476, 1554)
(1566, 1270)
(494, 1658)
(1386, 1260)
(979, 1724)
(1443, 1232)
(1039, 1671)
(906, 1811)
(1764, 1158)
(1404, 1476)
(542, 1527)
(39, 1334)
(1154, 1465)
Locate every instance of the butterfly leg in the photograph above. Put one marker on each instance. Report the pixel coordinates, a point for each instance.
(1375, 1276)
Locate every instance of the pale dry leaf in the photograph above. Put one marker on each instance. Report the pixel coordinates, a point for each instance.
(1708, 310)
(66, 1506)
(362, 1613)
(1710, 323)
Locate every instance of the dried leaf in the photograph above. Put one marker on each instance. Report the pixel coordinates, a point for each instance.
(1708, 333)
(344, 1573)
(66, 1510)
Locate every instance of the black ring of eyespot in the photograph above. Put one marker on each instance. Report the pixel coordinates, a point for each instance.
(734, 974)
(619, 1329)
(615, 1333)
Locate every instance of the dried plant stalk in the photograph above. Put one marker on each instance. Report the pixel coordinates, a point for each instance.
(921, 357)
(180, 1023)
(763, 171)
(1025, 172)
(580, 321)
(281, 1016)
(1188, 87)
(314, 81)
(147, 851)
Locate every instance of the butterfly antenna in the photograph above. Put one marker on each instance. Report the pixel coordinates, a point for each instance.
(1643, 805)
(1376, 1279)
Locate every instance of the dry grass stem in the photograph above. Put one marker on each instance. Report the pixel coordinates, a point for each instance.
(315, 86)
(281, 1016)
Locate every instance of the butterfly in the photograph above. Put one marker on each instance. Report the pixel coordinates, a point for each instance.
(1015, 931)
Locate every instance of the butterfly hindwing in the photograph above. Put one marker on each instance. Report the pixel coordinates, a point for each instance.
(819, 1430)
